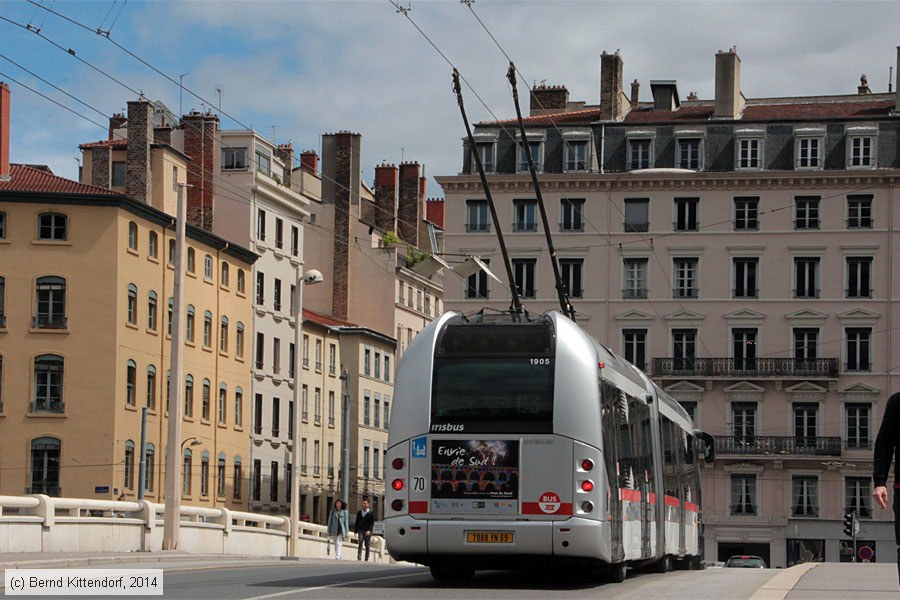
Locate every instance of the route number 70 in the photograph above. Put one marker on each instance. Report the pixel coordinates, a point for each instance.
(418, 484)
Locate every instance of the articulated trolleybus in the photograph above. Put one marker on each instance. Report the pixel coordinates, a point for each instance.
(516, 441)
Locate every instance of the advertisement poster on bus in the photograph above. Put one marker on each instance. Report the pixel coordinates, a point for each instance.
(475, 469)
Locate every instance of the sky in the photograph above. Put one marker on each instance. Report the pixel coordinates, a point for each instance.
(294, 70)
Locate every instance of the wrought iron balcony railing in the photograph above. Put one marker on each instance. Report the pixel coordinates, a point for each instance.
(51, 405)
(49, 322)
(763, 445)
(49, 490)
(747, 367)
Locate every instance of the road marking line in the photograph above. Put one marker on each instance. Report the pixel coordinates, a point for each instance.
(325, 587)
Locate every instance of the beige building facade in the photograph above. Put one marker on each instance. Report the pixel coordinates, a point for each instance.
(741, 252)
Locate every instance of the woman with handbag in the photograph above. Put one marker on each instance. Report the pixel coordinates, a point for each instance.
(338, 526)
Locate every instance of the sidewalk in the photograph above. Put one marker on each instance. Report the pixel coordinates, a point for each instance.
(837, 581)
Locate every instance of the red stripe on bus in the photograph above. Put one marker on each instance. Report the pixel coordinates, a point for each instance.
(691, 507)
(632, 495)
(534, 508)
(418, 506)
(672, 501)
(651, 498)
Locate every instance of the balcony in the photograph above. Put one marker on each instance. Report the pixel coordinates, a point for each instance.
(768, 445)
(49, 322)
(49, 490)
(799, 368)
(48, 405)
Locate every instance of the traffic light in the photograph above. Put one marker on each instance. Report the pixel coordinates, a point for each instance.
(849, 518)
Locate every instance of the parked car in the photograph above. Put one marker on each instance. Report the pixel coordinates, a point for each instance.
(745, 562)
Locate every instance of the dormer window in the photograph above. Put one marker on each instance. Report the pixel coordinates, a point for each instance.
(690, 153)
(640, 150)
(808, 148)
(535, 147)
(861, 147)
(749, 151)
(486, 147)
(577, 155)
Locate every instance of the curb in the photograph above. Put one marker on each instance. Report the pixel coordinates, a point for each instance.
(781, 585)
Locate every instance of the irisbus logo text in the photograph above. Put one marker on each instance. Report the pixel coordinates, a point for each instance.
(444, 427)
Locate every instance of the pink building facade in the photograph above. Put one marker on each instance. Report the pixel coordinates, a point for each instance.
(740, 251)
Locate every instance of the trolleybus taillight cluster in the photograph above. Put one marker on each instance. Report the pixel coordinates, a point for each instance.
(398, 484)
(585, 484)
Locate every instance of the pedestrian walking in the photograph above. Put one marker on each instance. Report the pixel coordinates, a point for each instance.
(365, 522)
(887, 449)
(338, 526)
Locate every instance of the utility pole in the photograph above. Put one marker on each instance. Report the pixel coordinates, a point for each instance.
(172, 520)
(142, 459)
(345, 438)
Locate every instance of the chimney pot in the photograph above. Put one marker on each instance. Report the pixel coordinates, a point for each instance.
(611, 100)
(729, 101)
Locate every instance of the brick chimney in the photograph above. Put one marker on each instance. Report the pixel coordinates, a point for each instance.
(386, 197)
(200, 145)
(549, 99)
(408, 211)
(101, 166)
(435, 211)
(285, 152)
(611, 105)
(117, 121)
(635, 93)
(4, 131)
(140, 135)
(341, 181)
(309, 161)
(729, 101)
(162, 135)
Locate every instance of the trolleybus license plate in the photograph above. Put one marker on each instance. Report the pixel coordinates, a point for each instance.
(489, 537)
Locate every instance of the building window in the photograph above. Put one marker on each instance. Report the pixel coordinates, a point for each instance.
(332, 359)
(51, 303)
(745, 278)
(743, 494)
(690, 154)
(305, 350)
(637, 214)
(304, 403)
(170, 317)
(151, 310)
(260, 288)
(189, 396)
(186, 473)
(859, 212)
(749, 153)
(640, 154)
(48, 384)
(260, 350)
(477, 283)
(477, 216)
(240, 281)
(743, 422)
(131, 305)
(387, 368)
(208, 267)
(686, 214)
(319, 356)
(149, 453)
(534, 149)
(330, 459)
(279, 233)
(239, 340)
(171, 253)
(273, 481)
(220, 476)
(486, 156)
(805, 496)
(857, 493)
(295, 240)
(806, 348)
(686, 285)
(571, 214)
(746, 210)
(263, 163)
(238, 478)
(261, 225)
(808, 153)
(684, 349)
(387, 411)
(204, 474)
(131, 383)
(859, 348)
(806, 277)
(224, 276)
(276, 417)
(634, 344)
(806, 212)
(690, 407)
(2, 225)
(634, 284)
(857, 416)
(524, 215)
(367, 361)
(153, 245)
(189, 324)
(806, 419)
(238, 407)
(576, 155)
(317, 406)
(862, 151)
(331, 408)
(571, 275)
(119, 170)
(276, 305)
(377, 364)
(743, 344)
(174, 178)
(367, 408)
(2, 303)
(45, 453)
(223, 335)
(205, 401)
(151, 387)
(523, 271)
(258, 414)
(317, 460)
(132, 236)
(191, 260)
(234, 159)
(859, 276)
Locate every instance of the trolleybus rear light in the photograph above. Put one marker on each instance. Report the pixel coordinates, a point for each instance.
(587, 464)
(397, 484)
(587, 485)
(587, 506)
(397, 505)
(397, 463)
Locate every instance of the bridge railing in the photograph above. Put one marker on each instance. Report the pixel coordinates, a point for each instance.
(40, 523)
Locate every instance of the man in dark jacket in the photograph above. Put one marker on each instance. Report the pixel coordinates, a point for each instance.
(887, 449)
(365, 522)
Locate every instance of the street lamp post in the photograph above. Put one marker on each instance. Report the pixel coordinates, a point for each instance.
(311, 277)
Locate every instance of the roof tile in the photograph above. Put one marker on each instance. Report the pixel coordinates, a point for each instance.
(26, 178)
